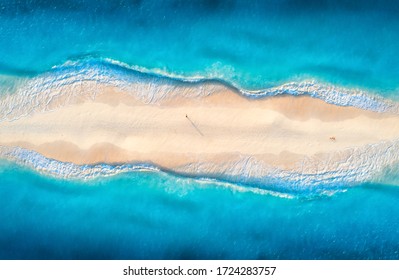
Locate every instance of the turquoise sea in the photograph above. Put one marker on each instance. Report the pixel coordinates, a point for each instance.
(152, 215)
(251, 45)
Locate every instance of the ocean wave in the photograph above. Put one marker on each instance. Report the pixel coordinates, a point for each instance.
(244, 189)
(327, 92)
(60, 169)
(244, 174)
(66, 81)
(82, 79)
(66, 170)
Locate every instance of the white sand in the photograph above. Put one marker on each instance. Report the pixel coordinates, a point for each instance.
(117, 127)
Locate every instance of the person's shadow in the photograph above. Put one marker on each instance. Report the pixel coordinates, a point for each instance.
(193, 124)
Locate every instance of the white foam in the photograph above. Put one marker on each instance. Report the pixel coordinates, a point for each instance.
(242, 189)
(348, 167)
(322, 173)
(66, 81)
(67, 170)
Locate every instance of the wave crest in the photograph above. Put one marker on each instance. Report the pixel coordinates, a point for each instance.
(151, 86)
(353, 167)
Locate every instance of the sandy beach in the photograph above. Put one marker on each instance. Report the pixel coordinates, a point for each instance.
(116, 127)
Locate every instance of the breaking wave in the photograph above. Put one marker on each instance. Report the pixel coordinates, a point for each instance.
(243, 175)
(154, 86)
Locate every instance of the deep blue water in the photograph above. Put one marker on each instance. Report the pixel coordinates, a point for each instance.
(151, 215)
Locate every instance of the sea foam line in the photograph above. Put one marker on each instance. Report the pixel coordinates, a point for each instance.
(329, 93)
(345, 168)
(312, 175)
(66, 170)
(68, 80)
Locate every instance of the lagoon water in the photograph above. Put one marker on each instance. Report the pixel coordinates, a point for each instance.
(155, 215)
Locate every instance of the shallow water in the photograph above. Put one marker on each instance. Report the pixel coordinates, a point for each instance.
(152, 215)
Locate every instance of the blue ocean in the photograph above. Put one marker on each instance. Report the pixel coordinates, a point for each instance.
(249, 45)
